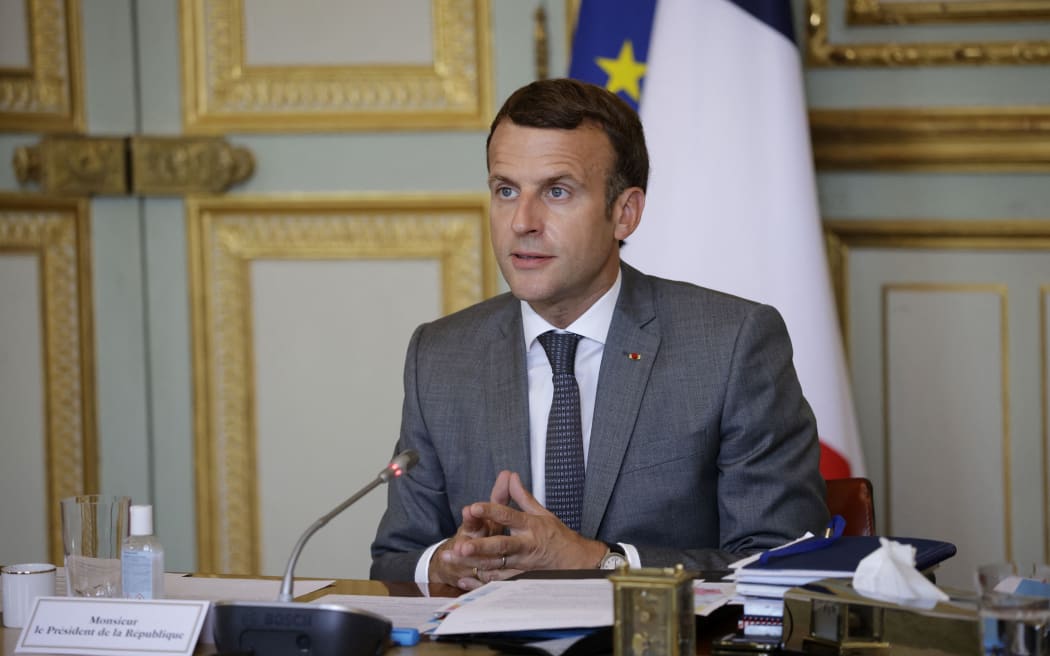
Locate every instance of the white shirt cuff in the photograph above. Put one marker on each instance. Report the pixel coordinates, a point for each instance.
(423, 564)
(633, 559)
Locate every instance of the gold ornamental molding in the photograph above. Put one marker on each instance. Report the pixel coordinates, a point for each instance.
(541, 43)
(842, 236)
(896, 12)
(934, 139)
(49, 95)
(56, 232)
(74, 165)
(139, 165)
(222, 92)
(225, 236)
(821, 52)
(572, 14)
(187, 165)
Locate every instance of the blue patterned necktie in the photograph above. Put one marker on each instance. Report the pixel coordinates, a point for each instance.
(564, 470)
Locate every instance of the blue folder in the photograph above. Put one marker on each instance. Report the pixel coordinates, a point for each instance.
(845, 553)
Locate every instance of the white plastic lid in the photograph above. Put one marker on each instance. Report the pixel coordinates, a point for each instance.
(142, 520)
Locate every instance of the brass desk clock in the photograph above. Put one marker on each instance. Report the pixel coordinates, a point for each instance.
(654, 612)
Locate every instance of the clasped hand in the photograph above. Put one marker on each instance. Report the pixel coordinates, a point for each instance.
(496, 542)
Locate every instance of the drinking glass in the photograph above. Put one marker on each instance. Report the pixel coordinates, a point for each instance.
(1013, 622)
(93, 527)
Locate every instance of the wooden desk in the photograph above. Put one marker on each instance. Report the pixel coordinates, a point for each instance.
(424, 648)
(347, 587)
(709, 629)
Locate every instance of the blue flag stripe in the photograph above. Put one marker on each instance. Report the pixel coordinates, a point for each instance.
(602, 29)
(774, 13)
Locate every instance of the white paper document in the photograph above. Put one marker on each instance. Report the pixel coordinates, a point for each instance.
(530, 605)
(709, 596)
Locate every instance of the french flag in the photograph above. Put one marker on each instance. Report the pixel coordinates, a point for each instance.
(732, 199)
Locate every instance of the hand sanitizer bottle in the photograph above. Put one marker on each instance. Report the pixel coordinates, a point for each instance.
(142, 558)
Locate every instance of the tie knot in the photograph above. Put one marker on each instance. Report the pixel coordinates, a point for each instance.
(561, 351)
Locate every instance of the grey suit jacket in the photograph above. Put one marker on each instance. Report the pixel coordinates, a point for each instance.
(701, 450)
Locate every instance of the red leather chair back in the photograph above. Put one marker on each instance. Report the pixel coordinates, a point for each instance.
(852, 498)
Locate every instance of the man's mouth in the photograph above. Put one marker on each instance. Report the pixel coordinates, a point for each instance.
(526, 260)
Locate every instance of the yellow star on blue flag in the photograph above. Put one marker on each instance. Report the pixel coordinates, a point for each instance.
(611, 45)
(625, 72)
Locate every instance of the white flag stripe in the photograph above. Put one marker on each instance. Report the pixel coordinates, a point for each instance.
(732, 200)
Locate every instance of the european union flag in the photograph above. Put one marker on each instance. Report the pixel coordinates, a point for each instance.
(612, 44)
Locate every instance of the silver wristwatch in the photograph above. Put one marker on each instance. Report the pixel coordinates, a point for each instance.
(614, 558)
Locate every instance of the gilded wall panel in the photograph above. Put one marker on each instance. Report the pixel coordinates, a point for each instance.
(938, 237)
(821, 51)
(56, 232)
(222, 91)
(946, 416)
(1000, 138)
(842, 236)
(48, 95)
(898, 12)
(932, 139)
(226, 235)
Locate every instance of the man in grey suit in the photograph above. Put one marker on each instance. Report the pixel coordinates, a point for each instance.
(698, 444)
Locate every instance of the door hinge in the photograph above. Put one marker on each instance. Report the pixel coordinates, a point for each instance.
(133, 166)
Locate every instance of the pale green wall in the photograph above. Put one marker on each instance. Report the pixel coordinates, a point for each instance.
(139, 246)
(140, 284)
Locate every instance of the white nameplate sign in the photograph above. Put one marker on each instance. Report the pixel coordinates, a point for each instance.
(80, 625)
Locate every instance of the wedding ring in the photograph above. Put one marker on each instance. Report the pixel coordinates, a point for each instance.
(503, 564)
(476, 574)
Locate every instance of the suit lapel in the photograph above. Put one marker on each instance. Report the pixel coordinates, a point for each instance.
(506, 406)
(627, 361)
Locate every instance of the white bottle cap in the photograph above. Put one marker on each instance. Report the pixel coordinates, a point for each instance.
(142, 520)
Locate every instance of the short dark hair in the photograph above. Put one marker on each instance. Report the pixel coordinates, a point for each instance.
(565, 104)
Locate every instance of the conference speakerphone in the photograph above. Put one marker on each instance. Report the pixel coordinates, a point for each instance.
(279, 627)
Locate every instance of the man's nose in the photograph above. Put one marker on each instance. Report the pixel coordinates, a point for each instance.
(528, 215)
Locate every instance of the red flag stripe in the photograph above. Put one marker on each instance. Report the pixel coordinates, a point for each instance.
(832, 463)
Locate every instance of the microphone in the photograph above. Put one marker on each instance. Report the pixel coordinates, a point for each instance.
(399, 465)
(286, 626)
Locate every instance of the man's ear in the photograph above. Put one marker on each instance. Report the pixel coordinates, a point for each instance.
(627, 212)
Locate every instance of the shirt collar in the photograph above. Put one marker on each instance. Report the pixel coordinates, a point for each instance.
(592, 324)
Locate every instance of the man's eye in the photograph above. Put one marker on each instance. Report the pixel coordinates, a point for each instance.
(558, 192)
(504, 192)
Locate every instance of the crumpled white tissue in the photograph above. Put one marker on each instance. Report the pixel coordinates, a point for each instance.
(889, 574)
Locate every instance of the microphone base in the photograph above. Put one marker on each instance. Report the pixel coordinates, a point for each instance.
(278, 628)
